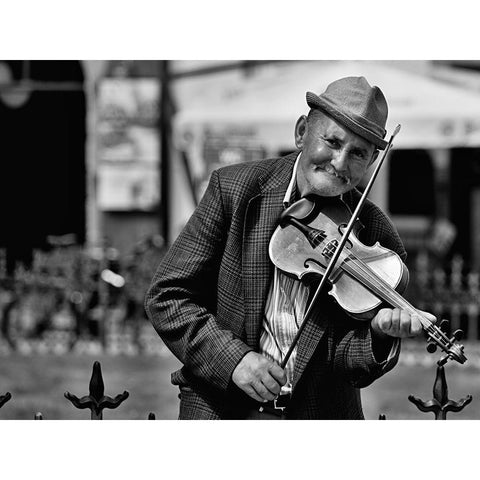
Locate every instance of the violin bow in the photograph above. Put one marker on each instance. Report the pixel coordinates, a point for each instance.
(341, 245)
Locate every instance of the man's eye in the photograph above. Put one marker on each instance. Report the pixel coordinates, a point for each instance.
(331, 142)
(357, 154)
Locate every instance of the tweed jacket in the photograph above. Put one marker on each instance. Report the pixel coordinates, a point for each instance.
(208, 296)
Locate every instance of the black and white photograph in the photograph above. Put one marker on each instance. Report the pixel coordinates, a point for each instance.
(288, 233)
(168, 226)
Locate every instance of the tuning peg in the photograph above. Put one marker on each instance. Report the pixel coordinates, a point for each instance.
(431, 347)
(457, 335)
(444, 325)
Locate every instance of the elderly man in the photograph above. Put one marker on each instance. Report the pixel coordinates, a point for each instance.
(229, 315)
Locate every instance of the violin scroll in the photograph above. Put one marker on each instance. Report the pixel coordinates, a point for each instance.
(453, 350)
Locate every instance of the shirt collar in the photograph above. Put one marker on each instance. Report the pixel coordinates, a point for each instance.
(288, 194)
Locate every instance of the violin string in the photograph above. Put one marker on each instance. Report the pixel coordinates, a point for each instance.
(385, 291)
(397, 300)
(373, 277)
(383, 287)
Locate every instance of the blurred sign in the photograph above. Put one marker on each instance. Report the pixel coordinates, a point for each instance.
(211, 150)
(128, 187)
(230, 147)
(132, 144)
(128, 144)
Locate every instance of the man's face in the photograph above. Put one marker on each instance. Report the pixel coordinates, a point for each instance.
(333, 160)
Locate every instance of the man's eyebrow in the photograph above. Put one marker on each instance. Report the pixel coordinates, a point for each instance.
(360, 149)
(355, 148)
(332, 136)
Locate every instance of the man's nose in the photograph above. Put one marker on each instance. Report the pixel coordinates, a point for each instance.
(340, 160)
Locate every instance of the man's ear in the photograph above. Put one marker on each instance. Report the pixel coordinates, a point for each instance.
(300, 130)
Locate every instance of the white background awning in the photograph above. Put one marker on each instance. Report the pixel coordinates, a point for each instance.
(433, 114)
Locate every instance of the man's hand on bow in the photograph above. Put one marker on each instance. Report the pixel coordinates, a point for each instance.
(259, 377)
(398, 323)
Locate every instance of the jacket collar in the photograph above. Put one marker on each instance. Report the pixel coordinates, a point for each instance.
(261, 217)
(280, 175)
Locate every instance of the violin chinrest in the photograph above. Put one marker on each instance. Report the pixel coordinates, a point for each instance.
(299, 210)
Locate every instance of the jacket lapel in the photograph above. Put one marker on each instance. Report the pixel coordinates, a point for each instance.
(309, 339)
(261, 217)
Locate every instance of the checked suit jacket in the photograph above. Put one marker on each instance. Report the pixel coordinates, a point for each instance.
(207, 299)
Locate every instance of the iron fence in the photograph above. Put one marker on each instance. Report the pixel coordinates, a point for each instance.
(448, 291)
(71, 299)
(96, 401)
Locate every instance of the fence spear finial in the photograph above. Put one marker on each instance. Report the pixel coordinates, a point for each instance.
(440, 405)
(97, 401)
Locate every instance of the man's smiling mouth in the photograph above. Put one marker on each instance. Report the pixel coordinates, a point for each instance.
(332, 172)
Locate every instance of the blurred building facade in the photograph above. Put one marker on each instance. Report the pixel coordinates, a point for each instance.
(85, 153)
(429, 185)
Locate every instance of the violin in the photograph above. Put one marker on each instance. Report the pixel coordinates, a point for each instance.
(363, 279)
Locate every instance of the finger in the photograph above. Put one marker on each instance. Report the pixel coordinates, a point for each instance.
(395, 327)
(405, 324)
(271, 384)
(415, 326)
(278, 373)
(262, 391)
(249, 390)
(384, 319)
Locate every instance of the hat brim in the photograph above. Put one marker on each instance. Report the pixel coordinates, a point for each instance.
(349, 121)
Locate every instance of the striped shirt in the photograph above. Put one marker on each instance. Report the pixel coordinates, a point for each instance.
(284, 309)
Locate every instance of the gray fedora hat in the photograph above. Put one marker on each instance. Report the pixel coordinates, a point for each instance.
(355, 104)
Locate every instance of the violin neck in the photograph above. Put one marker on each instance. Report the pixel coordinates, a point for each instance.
(381, 289)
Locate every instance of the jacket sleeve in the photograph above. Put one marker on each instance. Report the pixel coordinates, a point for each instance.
(354, 358)
(181, 300)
